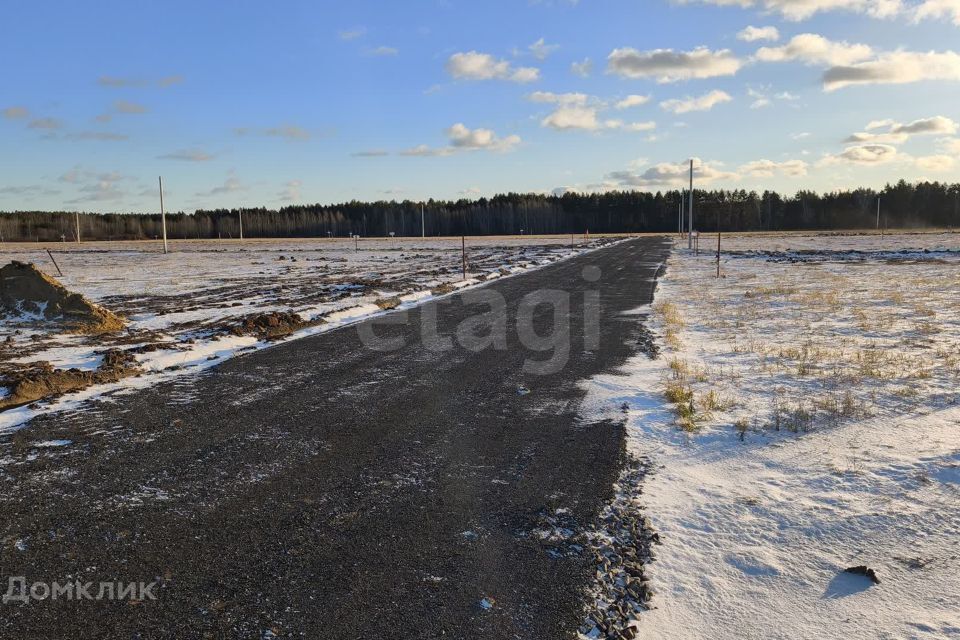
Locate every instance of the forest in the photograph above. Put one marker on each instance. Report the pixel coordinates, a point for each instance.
(902, 205)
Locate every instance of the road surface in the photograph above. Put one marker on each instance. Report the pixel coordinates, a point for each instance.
(323, 489)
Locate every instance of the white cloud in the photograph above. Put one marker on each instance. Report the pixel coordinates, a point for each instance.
(865, 154)
(189, 155)
(13, 113)
(559, 98)
(880, 124)
(882, 138)
(94, 186)
(753, 34)
(768, 168)
(801, 135)
(951, 145)
(383, 51)
(122, 106)
(898, 67)
(169, 81)
(573, 117)
(936, 9)
(462, 138)
(632, 101)
(115, 82)
(423, 151)
(650, 125)
(811, 48)
(802, 9)
(45, 123)
(703, 103)
(897, 133)
(103, 136)
(667, 65)
(288, 131)
(473, 65)
(936, 164)
(541, 49)
(582, 69)
(290, 191)
(934, 125)
(352, 34)
(581, 111)
(119, 83)
(230, 185)
(669, 174)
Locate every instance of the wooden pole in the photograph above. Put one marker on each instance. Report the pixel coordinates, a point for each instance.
(163, 215)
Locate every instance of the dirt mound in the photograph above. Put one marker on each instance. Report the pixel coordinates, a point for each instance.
(388, 303)
(275, 324)
(38, 380)
(25, 289)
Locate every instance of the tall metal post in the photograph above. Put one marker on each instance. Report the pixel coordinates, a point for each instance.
(163, 215)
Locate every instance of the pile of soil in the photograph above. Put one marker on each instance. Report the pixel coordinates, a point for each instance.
(25, 289)
(272, 325)
(39, 380)
(388, 303)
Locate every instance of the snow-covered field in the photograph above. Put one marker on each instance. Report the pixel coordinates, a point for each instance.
(181, 305)
(802, 418)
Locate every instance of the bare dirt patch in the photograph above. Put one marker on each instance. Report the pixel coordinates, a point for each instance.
(270, 326)
(40, 380)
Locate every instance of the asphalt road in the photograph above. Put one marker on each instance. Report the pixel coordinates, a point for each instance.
(323, 489)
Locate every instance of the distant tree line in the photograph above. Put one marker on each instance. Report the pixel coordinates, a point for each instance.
(903, 205)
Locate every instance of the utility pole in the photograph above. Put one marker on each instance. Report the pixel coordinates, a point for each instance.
(690, 211)
(163, 215)
(77, 220)
(423, 226)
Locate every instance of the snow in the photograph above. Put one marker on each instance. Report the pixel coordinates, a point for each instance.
(857, 362)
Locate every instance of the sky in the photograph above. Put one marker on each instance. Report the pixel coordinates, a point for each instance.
(277, 103)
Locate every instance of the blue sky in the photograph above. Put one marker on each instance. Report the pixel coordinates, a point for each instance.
(266, 104)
